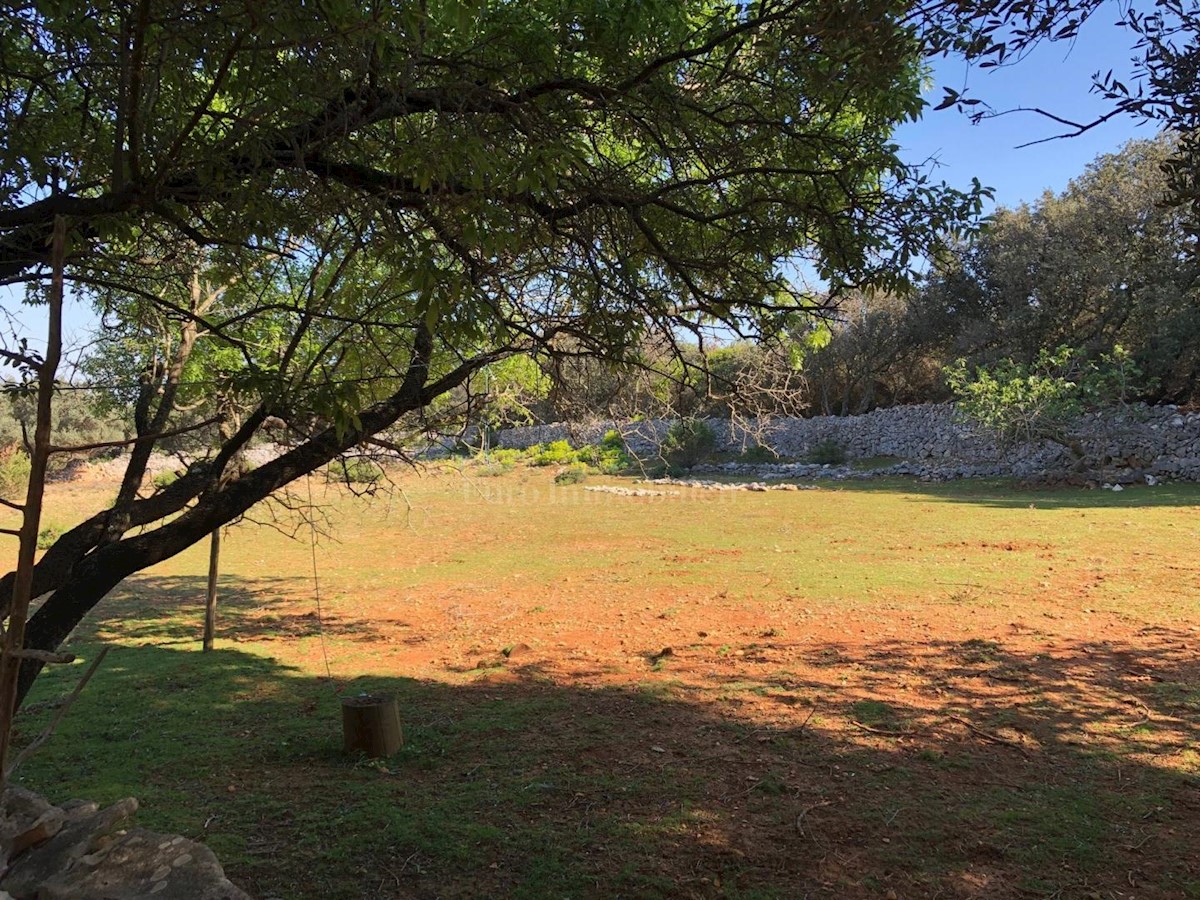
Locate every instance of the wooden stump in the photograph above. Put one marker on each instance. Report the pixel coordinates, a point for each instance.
(371, 725)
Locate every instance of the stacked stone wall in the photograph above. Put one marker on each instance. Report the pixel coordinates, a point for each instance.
(1161, 440)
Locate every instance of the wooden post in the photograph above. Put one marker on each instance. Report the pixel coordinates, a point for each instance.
(371, 725)
(210, 601)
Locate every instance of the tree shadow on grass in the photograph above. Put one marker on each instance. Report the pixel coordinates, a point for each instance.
(951, 769)
(1010, 494)
(170, 609)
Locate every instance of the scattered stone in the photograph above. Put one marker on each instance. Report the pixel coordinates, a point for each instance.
(628, 492)
(90, 856)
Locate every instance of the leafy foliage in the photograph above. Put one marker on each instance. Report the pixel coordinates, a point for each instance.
(688, 442)
(14, 473)
(572, 474)
(1104, 262)
(826, 453)
(1043, 400)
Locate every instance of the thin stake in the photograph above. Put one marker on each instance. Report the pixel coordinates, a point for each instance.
(312, 532)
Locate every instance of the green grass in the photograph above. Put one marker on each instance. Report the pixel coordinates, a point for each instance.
(594, 765)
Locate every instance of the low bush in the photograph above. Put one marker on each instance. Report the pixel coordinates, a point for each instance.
(609, 456)
(505, 456)
(688, 443)
(47, 536)
(826, 453)
(556, 453)
(14, 473)
(165, 478)
(758, 454)
(491, 469)
(572, 474)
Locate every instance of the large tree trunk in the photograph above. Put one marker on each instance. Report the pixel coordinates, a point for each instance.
(77, 591)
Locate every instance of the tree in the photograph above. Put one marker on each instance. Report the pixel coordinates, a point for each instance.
(401, 194)
(1105, 262)
(881, 351)
(1046, 399)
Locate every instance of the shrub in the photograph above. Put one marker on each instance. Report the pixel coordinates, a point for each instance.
(613, 440)
(14, 473)
(47, 536)
(1045, 399)
(609, 456)
(556, 453)
(165, 478)
(573, 474)
(505, 456)
(491, 469)
(354, 471)
(826, 453)
(688, 443)
(758, 454)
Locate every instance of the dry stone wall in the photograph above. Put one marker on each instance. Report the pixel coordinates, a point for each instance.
(1160, 440)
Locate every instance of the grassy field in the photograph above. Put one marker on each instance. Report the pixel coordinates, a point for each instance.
(879, 689)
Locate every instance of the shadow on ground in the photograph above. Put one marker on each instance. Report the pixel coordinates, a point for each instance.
(168, 609)
(886, 770)
(1011, 494)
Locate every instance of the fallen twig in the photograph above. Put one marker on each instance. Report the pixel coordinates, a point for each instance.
(804, 812)
(881, 731)
(987, 735)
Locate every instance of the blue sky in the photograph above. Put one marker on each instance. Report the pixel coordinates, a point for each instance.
(1055, 77)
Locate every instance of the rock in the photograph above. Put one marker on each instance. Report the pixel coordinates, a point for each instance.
(84, 832)
(25, 820)
(89, 857)
(143, 864)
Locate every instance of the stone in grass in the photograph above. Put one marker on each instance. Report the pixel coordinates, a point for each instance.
(91, 857)
(25, 821)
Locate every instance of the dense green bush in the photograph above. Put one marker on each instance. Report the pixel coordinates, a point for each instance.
(572, 474)
(47, 536)
(504, 456)
(826, 453)
(165, 478)
(609, 456)
(688, 443)
(556, 453)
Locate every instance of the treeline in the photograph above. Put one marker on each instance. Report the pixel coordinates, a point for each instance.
(1106, 263)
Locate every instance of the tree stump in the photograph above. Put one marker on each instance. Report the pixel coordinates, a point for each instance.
(371, 724)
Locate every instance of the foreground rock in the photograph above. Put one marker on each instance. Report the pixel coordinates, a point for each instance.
(79, 851)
